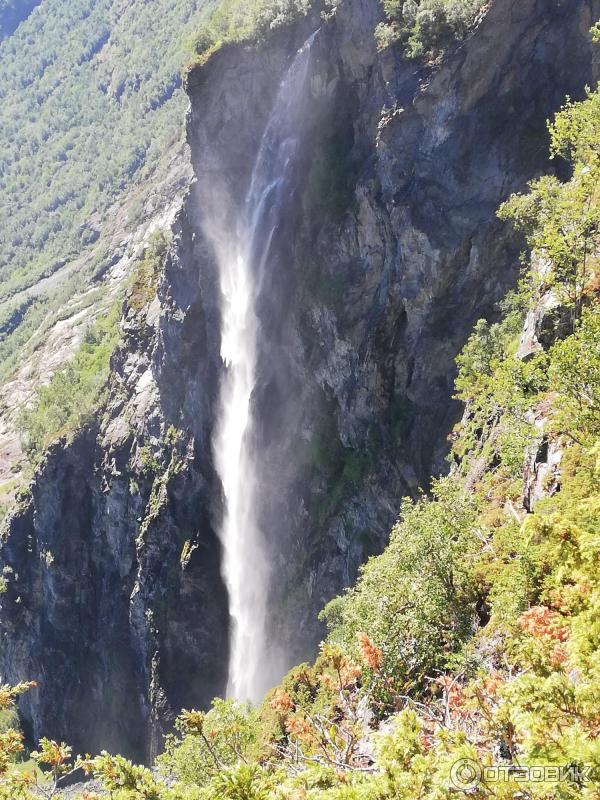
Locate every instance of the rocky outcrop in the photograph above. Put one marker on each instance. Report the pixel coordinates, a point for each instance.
(392, 250)
(113, 597)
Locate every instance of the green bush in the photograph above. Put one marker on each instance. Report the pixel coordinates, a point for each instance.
(147, 270)
(244, 782)
(207, 744)
(561, 220)
(417, 599)
(575, 375)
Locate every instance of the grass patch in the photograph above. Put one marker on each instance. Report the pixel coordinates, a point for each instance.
(75, 392)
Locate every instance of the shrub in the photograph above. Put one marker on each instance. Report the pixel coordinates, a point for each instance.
(145, 275)
(427, 26)
(575, 375)
(244, 782)
(561, 220)
(208, 743)
(416, 601)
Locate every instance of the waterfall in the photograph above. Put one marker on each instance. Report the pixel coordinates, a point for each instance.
(243, 267)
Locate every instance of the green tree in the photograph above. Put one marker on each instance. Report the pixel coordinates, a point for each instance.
(417, 600)
(562, 220)
(575, 376)
(427, 27)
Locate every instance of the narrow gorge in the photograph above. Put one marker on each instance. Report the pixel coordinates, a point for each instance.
(288, 376)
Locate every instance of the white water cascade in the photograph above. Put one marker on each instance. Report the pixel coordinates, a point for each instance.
(243, 274)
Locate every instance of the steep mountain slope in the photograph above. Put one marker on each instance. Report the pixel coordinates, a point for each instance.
(92, 155)
(390, 252)
(82, 117)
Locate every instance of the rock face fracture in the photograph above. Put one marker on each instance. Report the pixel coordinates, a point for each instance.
(345, 236)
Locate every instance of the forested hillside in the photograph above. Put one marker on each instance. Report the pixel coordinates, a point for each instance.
(91, 110)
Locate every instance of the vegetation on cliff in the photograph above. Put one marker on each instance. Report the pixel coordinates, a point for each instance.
(78, 391)
(74, 393)
(468, 651)
(427, 27)
(242, 21)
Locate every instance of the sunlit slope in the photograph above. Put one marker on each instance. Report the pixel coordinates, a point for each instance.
(90, 106)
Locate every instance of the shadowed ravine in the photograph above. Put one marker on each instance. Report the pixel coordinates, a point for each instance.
(244, 263)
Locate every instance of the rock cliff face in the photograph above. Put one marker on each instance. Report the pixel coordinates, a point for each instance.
(390, 252)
